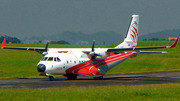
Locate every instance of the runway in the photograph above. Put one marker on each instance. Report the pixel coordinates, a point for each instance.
(123, 79)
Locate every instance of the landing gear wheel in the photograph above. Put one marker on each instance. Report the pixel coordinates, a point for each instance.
(71, 77)
(51, 78)
(98, 78)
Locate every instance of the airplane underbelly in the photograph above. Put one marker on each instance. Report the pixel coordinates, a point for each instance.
(110, 65)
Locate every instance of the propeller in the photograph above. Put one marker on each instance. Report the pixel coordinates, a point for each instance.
(93, 45)
(45, 49)
(92, 53)
(46, 46)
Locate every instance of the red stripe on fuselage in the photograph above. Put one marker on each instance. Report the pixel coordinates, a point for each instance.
(92, 70)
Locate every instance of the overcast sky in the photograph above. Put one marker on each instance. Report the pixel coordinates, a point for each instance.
(27, 18)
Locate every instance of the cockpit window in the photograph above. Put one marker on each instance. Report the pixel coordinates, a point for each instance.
(44, 59)
(50, 59)
(57, 59)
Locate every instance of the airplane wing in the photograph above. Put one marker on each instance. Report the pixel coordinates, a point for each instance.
(110, 50)
(33, 49)
(40, 50)
(119, 50)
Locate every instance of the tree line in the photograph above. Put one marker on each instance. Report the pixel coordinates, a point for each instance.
(10, 39)
(59, 42)
(157, 39)
(16, 40)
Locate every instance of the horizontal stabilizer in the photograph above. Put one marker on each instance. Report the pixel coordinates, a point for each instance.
(152, 52)
(133, 49)
(119, 50)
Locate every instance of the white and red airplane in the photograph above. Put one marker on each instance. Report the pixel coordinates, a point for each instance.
(89, 61)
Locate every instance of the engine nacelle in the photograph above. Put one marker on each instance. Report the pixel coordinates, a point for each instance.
(102, 53)
(44, 53)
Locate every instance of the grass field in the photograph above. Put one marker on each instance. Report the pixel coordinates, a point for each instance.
(22, 63)
(160, 92)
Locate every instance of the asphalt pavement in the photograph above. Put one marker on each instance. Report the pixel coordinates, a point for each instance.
(123, 79)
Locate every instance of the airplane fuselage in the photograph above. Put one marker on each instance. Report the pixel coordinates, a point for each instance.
(74, 61)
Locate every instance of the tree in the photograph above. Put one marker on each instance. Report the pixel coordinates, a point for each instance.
(144, 39)
(10, 39)
(59, 42)
(40, 42)
(154, 39)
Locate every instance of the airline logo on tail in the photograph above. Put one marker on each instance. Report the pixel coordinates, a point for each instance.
(134, 32)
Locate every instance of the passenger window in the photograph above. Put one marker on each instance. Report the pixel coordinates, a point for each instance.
(50, 59)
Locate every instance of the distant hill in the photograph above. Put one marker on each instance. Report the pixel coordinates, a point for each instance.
(79, 38)
(161, 35)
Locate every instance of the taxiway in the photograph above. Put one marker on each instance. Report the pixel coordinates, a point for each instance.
(123, 79)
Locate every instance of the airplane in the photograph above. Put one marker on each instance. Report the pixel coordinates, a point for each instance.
(94, 62)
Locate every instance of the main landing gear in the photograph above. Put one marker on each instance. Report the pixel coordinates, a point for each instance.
(71, 76)
(98, 78)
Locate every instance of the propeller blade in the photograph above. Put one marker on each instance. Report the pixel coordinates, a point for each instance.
(93, 45)
(46, 46)
(45, 50)
(92, 55)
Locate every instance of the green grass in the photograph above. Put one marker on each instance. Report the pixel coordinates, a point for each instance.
(22, 63)
(159, 92)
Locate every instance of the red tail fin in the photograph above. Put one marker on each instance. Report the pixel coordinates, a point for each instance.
(4, 43)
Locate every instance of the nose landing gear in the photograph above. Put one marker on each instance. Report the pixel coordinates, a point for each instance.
(51, 78)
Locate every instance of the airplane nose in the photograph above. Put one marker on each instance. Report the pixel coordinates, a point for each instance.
(41, 67)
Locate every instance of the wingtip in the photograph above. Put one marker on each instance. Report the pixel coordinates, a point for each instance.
(175, 42)
(4, 43)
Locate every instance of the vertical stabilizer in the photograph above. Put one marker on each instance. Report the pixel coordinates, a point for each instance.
(132, 34)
